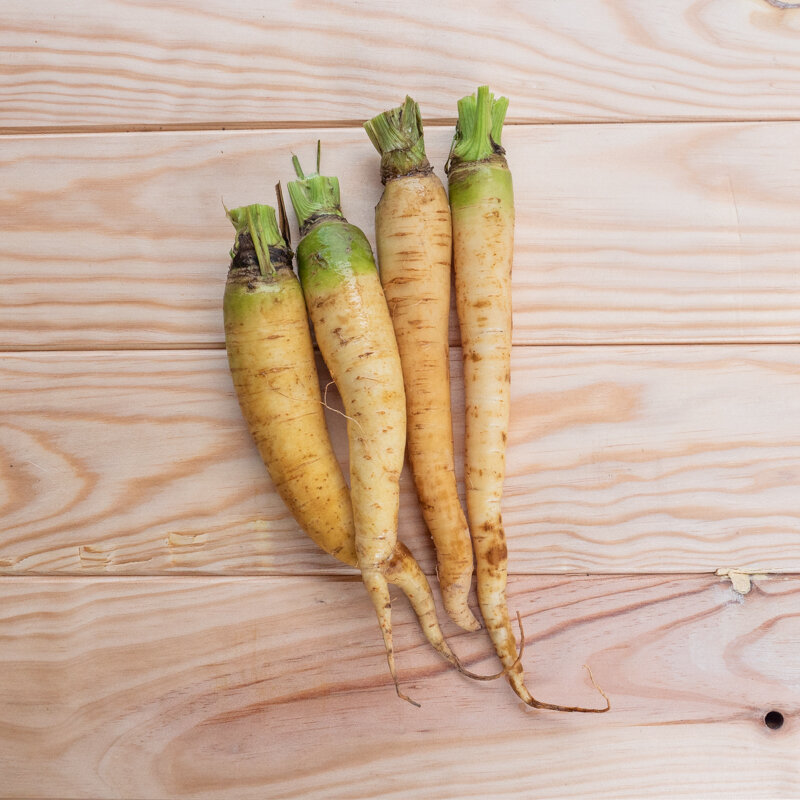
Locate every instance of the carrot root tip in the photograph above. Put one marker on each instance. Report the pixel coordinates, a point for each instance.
(534, 703)
(403, 696)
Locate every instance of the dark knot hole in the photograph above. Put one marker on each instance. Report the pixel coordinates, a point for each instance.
(773, 720)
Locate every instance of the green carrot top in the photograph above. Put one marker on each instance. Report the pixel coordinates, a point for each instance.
(479, 127)
(313, 196)
(397, 136)
(257, 231)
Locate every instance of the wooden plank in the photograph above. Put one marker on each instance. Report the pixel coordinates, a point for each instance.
(210, 688)
(662, 459)
(625, 233)
(115, 63)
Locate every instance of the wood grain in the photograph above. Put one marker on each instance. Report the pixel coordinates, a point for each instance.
(167, 632)
(123, 64)
(662, 459)
(625, 233)
(277, 688)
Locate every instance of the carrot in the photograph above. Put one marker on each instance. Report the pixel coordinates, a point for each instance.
(482, 206)
(355, 337)
(271, 358)
(414, 248)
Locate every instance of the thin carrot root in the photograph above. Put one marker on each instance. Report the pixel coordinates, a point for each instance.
(405, 573)
(534, 703)
(503, 672)
(475, 677)
(378, 589)
(404, 696)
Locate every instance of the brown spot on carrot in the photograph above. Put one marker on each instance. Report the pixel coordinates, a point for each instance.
(497, 554)
(343, 340)
(481, 303)
(325, 300)
(474, 356)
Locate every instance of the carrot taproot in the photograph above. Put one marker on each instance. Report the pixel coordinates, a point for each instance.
(482, 207)
(414, 248)
(271, 358)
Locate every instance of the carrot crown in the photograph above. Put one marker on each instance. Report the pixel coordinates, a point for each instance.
(259, 225)
(479, 126)
(313, 196)
(397, 136)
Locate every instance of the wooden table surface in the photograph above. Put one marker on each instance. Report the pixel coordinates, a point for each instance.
(166, 631)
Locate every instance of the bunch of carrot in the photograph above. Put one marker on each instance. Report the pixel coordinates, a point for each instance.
(384, 339)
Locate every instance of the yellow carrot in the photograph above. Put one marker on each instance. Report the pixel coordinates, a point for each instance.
(414, 247)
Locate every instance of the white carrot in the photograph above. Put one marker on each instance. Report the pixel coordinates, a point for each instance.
(482, 206)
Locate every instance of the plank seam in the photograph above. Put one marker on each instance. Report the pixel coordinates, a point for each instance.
(283, 125)
(354, 578)
(194, 347)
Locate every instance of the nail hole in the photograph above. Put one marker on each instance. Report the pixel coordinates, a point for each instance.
(773, 720)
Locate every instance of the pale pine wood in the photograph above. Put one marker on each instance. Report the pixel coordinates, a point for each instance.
(121, 471)
(115, 63)
(659, 459)
(278, 688)
(625, 233)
